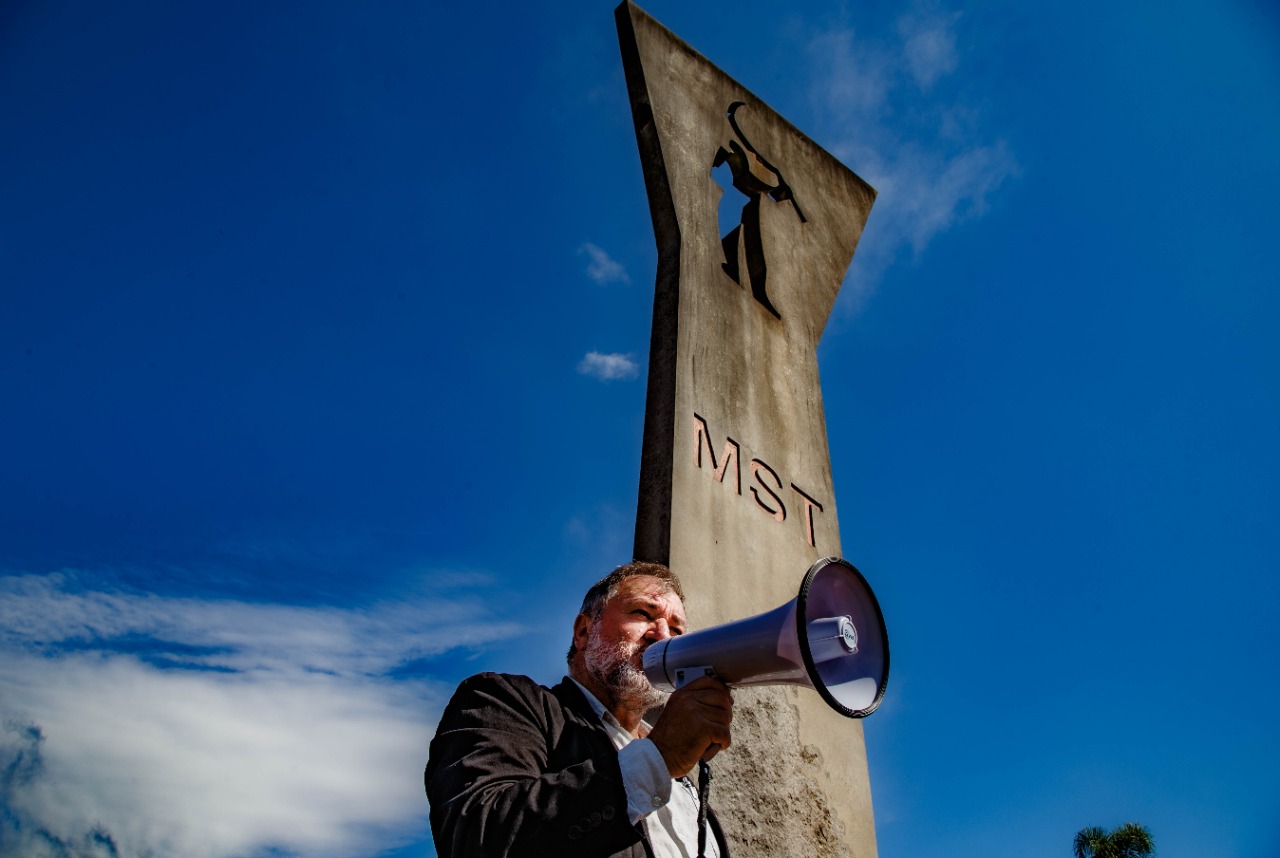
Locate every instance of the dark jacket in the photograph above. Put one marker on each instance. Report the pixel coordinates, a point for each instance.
(517, 769)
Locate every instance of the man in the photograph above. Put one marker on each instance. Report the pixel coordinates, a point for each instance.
(517, 769)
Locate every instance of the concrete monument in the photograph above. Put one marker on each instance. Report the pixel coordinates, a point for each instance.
(736, 491)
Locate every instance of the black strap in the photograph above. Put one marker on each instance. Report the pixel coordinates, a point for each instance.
(704, 790)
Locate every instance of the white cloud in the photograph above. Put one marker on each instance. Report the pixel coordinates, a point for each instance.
(241, 636)
(929, 46)
(601, 267)
(216, 728)
(849, 81)
(888, 117)
(608, 367)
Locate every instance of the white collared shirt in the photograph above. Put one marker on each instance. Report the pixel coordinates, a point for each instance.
(667, 808)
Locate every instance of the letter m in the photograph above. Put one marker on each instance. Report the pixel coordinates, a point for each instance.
(702, 438)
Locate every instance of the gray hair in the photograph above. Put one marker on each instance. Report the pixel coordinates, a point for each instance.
(607, 587)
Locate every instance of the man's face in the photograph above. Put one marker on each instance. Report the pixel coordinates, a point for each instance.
(642, 612)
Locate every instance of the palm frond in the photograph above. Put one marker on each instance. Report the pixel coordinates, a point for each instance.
(1088, 840)
(1130, 840)
(1133, 840)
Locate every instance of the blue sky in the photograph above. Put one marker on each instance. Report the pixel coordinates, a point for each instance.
(323, 330)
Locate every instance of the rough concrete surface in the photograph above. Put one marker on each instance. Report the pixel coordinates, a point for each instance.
(789, 808)
(736, 491)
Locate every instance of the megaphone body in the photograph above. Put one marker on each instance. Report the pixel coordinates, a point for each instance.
(831, 638)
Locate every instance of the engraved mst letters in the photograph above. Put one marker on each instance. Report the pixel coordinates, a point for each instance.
(767, 484)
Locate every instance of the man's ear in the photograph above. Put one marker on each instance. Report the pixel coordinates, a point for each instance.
(581, 631)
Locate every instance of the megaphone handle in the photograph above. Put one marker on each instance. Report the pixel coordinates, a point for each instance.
(704, 790)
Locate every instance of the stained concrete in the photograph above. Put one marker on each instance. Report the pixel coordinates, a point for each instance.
(736, 492)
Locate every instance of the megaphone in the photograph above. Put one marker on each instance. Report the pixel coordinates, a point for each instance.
(831, 637)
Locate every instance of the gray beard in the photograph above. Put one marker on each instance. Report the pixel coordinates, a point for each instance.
(610, 665)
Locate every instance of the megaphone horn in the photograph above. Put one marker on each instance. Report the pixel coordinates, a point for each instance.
(831, 637)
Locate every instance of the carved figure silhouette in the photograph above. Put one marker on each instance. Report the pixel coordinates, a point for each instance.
(755, 178)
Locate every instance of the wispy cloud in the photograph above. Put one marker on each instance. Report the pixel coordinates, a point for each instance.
(608, 367)
(929, 45)
(887, 114)
(601, 267)
(153, 725)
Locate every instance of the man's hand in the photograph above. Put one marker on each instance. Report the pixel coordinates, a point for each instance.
(694, 725)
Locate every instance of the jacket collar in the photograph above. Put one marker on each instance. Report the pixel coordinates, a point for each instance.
(569, 694)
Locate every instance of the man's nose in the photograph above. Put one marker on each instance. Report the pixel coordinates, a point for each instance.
(658, 630)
